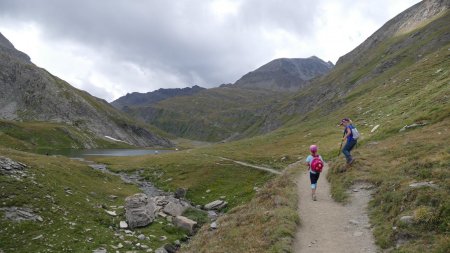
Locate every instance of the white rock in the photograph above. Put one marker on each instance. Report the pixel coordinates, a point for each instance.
(112, 213)
(123, 224)
(353, 222)
(407, 219)
(374, 128)
(213, 225)
(141, 237)
(100, 250)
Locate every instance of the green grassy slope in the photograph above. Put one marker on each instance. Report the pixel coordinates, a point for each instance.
(416, 90)
(72, 222)
(213, 114)
(35, 136)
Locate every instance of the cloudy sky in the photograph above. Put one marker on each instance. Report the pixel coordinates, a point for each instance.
(112, 47)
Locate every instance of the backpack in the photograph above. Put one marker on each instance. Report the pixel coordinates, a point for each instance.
(355, 133)
(316, 164)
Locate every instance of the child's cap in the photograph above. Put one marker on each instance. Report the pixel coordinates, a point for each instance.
(313, 148)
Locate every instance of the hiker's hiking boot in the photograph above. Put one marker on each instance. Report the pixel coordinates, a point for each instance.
(314, 197)
(350, 162)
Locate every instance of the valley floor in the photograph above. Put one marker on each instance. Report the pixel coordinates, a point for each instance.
(328, 226)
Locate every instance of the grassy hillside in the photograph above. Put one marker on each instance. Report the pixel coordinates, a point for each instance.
(214, 114)
(71, 198)
(36, 136)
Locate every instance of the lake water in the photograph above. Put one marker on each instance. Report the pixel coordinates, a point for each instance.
(82, 153)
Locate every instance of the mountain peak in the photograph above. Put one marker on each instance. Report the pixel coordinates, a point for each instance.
(285, 73)
(6, 47)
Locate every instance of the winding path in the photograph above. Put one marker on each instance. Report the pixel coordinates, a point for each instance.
(327, 226)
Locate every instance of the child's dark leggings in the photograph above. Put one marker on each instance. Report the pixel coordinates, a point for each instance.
(314, 178)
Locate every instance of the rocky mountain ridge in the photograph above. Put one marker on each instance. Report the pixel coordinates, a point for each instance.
(30, 93)
(149, 98)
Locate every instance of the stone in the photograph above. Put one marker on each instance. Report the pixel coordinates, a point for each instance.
(212, 215)
(139, 210)
(180, 193)
(19, 214)
(175, 208)
(185, 223)
(423, 184)
(208, 191)
(141, 237)
(100, 250)
(37, 237)
(170, 248)
(123, 224)
(163, 238)
(161, 214)
(112, 213)
(113, 197)
(216, 205)
(8, 166)
(161, 250)
(374, 128)
(407, 219)
(120, 245)
(213, 225)
(353, 222)
(413, 126)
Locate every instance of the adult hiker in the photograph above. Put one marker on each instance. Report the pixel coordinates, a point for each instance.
(315, 164)
(350, 137)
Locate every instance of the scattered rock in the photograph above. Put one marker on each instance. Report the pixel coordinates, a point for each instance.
(213, 225)
(186, 223)
(374, 128)
(112, 213)
(141, 237)
(139, 210)
(423, 184)
(216, 205)
(20, 214)
(123, 224)
(175, 208)
(163, 238)
(161, 250)
(180, 193)
(9, 166)
(413, 126)
(353, 222)
(170, 248)
(161, 214)
(208, 191)
(120, 245)
(407, 219)
(37, 237)
(212, 215)
(100, 250)
(113, 197)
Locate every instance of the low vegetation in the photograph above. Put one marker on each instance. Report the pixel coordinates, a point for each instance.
(72, 200)
(267, 223)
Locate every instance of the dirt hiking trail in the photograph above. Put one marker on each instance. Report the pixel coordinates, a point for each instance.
(328, 226)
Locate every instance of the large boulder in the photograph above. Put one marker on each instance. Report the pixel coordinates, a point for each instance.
(9, 166)
(139, 210)
(186, 223)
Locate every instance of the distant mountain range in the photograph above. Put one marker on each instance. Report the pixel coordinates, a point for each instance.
(30, 93)
(229, 111)
(149, 98)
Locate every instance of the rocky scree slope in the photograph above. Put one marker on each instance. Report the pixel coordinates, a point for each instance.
(30, 93)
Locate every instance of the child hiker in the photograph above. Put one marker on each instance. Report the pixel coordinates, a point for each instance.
(315, 165)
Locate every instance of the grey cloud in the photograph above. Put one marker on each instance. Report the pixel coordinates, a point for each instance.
(170, 38)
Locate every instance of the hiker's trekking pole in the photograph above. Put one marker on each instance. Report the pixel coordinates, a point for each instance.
(340, 148)
(342, 141)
